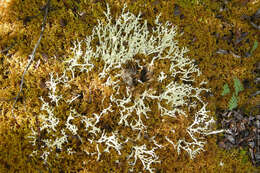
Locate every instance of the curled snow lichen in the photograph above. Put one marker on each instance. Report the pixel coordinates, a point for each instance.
(137, 79)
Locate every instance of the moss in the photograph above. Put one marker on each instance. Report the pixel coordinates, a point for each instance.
(20, 28)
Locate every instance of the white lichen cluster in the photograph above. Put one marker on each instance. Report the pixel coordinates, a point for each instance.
(119, 41)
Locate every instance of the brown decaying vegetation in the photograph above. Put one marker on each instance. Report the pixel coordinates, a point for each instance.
(203, 34)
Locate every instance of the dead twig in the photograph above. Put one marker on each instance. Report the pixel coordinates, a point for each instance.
(32, 55)
(6, 49)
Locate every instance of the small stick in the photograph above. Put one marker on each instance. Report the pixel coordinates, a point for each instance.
(6, 49)
(32, 56)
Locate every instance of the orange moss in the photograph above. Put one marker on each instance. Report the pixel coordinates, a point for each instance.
(69, 20)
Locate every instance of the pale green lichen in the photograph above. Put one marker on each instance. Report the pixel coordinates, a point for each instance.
(117, 45)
